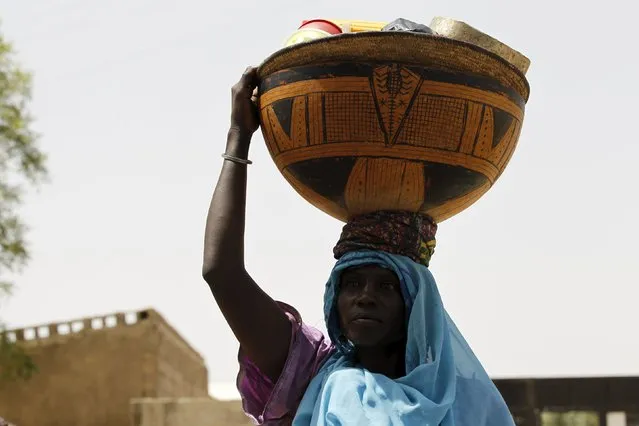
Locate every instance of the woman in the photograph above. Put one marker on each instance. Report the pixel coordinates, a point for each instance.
(393, 356)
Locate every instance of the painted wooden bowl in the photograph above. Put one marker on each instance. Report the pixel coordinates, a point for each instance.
(391, 121)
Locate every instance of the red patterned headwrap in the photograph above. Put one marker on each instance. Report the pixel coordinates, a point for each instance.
(403, 233)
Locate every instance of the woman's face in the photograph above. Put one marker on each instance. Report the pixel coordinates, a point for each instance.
(371, 306)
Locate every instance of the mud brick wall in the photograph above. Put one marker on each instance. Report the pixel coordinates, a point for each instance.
(91, 368)
(187, 412)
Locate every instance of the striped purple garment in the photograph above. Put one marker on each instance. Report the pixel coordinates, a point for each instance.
(268, 403)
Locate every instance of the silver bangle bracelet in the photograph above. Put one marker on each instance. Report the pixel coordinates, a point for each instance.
(236, 159)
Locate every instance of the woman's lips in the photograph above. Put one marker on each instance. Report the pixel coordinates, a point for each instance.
(362, 320)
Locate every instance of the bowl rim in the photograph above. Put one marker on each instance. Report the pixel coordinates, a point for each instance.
(414, 48)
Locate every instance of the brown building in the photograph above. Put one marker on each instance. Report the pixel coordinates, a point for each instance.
(115, 370)
(584, 401)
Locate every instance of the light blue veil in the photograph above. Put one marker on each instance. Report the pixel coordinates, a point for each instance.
(445, 384)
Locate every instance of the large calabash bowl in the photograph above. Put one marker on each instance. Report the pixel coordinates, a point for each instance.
(390, 121)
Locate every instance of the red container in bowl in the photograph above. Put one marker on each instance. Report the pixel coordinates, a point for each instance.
(313, 29)
(323, 25)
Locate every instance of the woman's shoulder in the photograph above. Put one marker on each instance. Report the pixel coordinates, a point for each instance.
(264, 400)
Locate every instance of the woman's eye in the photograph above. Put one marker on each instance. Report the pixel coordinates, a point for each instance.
(351, 284)
(388, 285)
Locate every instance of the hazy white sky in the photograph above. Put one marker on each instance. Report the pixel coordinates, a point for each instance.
(132, 98)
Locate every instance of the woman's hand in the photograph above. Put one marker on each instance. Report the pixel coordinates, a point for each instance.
(245, 118)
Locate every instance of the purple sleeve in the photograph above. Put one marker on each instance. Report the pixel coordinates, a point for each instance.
(271, 403)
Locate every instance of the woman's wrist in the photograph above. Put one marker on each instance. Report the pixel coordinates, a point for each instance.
(237, 143)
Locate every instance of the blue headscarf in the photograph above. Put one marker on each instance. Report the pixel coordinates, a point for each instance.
(445, 384)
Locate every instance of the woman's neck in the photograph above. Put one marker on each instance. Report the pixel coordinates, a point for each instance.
(388, 360)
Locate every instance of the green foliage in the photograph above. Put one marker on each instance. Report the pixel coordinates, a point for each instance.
(22, 165)
(14, 362)
(570, 418)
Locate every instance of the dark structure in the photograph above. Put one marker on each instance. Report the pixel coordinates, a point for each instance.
(529, 398)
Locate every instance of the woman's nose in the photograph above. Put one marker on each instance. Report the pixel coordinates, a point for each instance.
(367, 293)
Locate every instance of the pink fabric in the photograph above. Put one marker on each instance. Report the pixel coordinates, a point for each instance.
(3, 422)
(268, 403)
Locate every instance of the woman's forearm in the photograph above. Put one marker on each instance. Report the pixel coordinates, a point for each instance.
(259, 324)
(225, 223)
